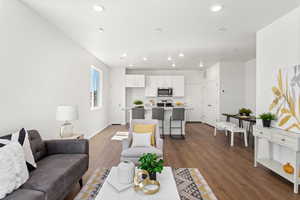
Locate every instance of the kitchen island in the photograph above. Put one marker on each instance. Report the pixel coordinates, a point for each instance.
(168, 113)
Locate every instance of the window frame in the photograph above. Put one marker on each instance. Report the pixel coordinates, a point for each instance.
(100, 88)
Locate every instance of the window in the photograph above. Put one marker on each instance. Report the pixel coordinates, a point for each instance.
(96, 88)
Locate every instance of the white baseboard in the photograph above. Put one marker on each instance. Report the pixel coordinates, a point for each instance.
(90, 136)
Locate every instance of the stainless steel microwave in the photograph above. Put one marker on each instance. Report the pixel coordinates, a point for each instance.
(165, 92)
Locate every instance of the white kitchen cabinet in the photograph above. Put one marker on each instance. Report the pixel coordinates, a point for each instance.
(151, 86)
(178, 86)
(135, 81)
(155, 82)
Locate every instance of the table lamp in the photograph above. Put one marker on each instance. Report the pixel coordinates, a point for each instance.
(66, 114)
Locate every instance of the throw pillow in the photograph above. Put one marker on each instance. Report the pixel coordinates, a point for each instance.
(23, 139)
(141, 139)
(13, 170)
(146, 128)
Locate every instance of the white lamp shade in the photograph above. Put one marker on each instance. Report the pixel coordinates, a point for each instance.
(66, 113)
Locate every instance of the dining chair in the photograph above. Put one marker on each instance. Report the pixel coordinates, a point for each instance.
(235, 129)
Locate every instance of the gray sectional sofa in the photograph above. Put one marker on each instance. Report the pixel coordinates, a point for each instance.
(60, 165)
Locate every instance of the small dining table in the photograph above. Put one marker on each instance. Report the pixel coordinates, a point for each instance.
(241, 119)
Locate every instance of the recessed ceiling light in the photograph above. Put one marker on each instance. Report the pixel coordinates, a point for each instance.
(222, 29)
(216, 8)
(173, 65)
(98, 8)
(123, 56)
(169, 58)
(181, 55)
(145, 59)
(101, 29)
(158, 29)
(201, 64)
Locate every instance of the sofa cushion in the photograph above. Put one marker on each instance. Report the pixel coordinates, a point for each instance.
(139, 151)
(56, 174)
(146, 128)
(38, 147)
(24, 194)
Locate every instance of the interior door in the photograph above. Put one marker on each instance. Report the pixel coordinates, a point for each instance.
(211, 102)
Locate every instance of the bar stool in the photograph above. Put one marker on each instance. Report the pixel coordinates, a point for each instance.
(178, 114)
(137, 113)
(159, 114)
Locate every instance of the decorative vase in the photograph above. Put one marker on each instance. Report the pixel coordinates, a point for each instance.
(126, 171)
(266, 123)
(288, 168)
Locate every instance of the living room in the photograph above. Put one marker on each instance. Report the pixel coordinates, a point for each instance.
(92, 90)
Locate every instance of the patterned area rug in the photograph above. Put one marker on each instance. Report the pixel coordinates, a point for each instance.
(190, 184)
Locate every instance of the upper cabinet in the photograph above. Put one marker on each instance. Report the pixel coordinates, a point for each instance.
(178, 86)
(155, 82)
(135, 81)
(151, 86)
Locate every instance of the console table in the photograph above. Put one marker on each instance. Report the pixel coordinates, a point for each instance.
(283, 138)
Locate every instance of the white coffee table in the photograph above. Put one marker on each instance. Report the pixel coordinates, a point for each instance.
(168, 190)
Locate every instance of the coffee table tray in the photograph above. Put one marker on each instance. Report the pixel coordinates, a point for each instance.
(168, 190)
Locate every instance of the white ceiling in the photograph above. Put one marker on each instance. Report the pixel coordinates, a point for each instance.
(188, 26)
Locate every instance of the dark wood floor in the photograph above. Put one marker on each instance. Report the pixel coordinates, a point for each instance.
(228, 170)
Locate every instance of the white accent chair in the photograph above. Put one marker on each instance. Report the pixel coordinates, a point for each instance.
(221, 126)
(231, 128)
(235, 129)
(134, 153)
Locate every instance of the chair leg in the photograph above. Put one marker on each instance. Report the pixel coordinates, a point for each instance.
(170, 128)
(81, 183)
(215, 132)
(245, 139)
(181, 129)
(232, 138)
(183, 136)
(163, 129)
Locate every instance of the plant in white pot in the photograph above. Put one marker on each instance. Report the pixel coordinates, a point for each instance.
(138, 103)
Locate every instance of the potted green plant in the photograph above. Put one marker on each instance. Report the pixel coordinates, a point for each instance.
(138, 103)
(267, 118)
(245, 112)
(151, 164)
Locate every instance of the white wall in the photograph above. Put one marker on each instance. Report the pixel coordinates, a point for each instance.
(278, 46)
(213, 73)
(193, 89)
(227, 81)
(250, 85)
(41, 68)
(232, 82)
(117, 96)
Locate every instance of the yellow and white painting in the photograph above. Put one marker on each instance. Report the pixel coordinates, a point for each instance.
(286, 103)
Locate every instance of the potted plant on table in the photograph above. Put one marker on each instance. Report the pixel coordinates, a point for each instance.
(245, 112)
(138, 103)
(267, 118)
(151, 164)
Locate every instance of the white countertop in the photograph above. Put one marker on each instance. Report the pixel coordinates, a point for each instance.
(166, 108)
